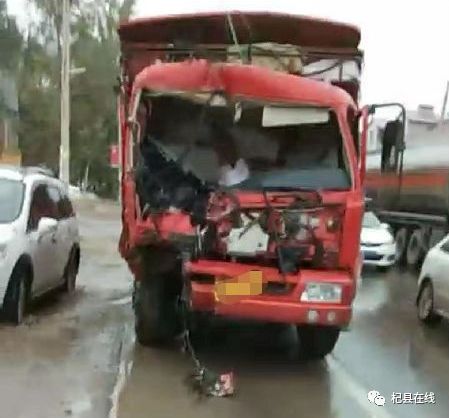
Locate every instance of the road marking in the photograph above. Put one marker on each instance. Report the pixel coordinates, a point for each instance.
(124, 370)
(122, 301)
(353, 388)
(356, 390)
(80, 406)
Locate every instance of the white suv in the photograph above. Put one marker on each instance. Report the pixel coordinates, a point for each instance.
(39, 238)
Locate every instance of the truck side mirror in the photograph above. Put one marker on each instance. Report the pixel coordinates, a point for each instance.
(393, 137)
(135, 128)
(363, 118)
(392, 143)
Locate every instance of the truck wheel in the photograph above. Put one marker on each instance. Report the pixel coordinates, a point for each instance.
(402, 239)
(426, 313)
(316, 342)
(16, 299)
(156, 319)
(415, 249)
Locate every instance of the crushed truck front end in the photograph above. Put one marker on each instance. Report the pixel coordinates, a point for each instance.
(309, 296)
(241, 195)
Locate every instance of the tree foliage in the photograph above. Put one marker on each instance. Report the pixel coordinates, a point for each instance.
(95, 46)
(10, 51)
(10, 40)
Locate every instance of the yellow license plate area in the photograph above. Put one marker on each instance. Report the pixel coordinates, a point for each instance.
(247, 284)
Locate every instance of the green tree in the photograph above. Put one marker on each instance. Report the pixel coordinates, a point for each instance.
(10, 52)
(10, 40)
(93, 101)
(50, 27)
(39, 107)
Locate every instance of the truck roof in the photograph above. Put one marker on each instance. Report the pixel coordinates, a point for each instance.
(237, 80)
(250, 27)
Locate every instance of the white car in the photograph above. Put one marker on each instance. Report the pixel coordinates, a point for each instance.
(433, 284)
(39, 239)
(377, 243)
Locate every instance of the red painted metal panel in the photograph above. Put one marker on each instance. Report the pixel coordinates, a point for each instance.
(114, 156)
(241, 80)
(250, 27)
(285, 308)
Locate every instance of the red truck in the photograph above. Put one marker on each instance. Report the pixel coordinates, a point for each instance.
(242, 171)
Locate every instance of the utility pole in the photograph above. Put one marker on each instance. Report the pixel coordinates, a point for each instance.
(64, 151)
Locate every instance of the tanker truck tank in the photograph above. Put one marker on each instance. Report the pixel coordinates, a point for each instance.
(423, 186)
(413, 198)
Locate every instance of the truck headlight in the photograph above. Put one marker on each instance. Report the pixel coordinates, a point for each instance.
(322, 292)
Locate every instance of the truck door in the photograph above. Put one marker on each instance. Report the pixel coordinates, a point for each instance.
(385, 153)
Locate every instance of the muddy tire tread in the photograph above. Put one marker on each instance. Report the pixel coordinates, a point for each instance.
(316, 342)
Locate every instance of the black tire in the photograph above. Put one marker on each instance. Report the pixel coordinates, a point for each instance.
(402, 238)
(383, 269)
(17, 296)
(416, 249)
(316, 342)
(425, 304)
(71, 272)
(155, 310)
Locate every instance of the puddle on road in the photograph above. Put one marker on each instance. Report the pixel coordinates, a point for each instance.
(78, 407)
(124, 369)
(74, 353)
(64, 360)
(371, 297)
(123, 301)
(378, 291)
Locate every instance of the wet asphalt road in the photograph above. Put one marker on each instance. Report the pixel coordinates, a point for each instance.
(65, 359)
(385, 350)
(75, 356)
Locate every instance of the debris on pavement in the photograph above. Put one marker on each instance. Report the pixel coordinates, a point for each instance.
(203, 381)
(207, 383)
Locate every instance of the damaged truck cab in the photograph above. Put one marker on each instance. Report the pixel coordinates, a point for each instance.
(242, 171)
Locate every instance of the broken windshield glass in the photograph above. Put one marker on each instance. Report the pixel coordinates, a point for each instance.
(248, 144)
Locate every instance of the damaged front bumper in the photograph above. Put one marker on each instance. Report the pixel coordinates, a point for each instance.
(275, 299)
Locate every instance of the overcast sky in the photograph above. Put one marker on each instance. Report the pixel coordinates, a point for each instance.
(406, 42)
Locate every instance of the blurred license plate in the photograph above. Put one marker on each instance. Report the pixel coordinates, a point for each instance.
(247, 284)
(369, 254)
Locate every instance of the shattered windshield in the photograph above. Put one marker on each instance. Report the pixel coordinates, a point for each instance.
(11, 192)
(249, 145)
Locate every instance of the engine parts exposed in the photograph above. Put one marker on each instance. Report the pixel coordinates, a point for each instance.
(162, 184)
